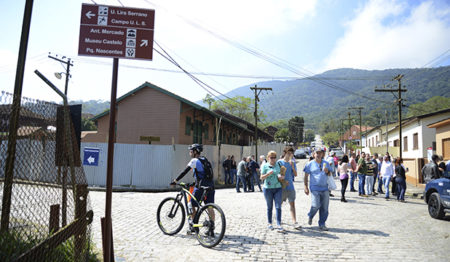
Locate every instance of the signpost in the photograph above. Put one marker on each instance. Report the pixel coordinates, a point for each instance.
(117, 32)
(91, 156)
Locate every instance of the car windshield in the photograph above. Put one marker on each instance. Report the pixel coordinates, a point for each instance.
(299, 151)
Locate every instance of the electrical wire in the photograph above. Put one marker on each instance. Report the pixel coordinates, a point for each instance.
(202, 84)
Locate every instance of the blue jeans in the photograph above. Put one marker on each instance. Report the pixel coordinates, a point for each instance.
(386, 181)
(271, 195)
(352, 181)
(369, 184)
(228, 176)
(238, 180)
(362, 182)
(401, 188)
(256, 181)
(233, 175)
(319, 202)
(380, 184)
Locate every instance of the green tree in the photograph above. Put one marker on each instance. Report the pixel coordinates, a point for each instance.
(331, 138)
(282, 135)
(296, 129)
(239, 106)
(433, 104)
(309, 135)
(87, 124)
(208, 100)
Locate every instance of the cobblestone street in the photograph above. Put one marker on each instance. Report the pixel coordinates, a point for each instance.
(364, 229)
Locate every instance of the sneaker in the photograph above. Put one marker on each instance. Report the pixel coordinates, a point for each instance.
(352, 190)
(364, 195)
(323, 228)
(310, 221)
(280, 229)
(270, 227)
(297, 226)
(331, 195)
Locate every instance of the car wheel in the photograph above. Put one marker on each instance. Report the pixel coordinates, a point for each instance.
(435, 207)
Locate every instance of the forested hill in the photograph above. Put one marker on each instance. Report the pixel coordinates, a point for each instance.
(316, 101)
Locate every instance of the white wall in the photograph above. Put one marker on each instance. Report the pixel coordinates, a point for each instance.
(155, 166)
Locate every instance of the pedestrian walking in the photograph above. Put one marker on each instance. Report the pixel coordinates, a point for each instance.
(380, 180)
(233, 169)
(400, 179)
(375, 171)
(369, 175)
(227, 168)
(249, 176)
(240, 177)
(387, 171)
(343, 176)
(361, 169)
(353, 173)
(253, 167)
(270, 172)
(318, 170)
(288, 193)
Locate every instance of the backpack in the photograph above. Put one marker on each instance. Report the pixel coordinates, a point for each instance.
(207, 168)
(428, 172)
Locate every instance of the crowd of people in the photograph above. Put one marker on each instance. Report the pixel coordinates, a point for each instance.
(277, 176)
(376, 175)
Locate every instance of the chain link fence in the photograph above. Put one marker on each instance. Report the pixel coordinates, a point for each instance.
(48, 214)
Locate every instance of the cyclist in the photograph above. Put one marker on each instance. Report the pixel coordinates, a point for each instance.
(200, 180)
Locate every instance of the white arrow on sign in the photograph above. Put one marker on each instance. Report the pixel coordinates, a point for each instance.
(91, 160)
(89, 14)
(144, 42)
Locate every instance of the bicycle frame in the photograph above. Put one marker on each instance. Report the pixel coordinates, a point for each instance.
(183, 195)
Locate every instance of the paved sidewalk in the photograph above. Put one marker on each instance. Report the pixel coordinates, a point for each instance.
(364, 229)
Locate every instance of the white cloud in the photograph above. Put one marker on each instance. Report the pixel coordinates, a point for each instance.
(390, 34)
(239, 19)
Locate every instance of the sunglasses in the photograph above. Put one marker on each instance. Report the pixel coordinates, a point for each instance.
(273, 157)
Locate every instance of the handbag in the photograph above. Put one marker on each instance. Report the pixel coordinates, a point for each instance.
(331, 183)
(283, 182)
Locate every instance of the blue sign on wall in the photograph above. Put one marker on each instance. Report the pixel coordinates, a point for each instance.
(91, 156)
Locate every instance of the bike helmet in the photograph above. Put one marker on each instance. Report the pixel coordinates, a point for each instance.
(196, 147)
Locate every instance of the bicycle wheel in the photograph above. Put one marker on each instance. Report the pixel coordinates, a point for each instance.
(210, 225)
(170, 216)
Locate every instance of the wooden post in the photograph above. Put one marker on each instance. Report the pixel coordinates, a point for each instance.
(54, 219)
(80, 213)
(103, 225)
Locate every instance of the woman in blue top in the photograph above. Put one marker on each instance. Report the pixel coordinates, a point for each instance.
(291, 171)
(270, 172)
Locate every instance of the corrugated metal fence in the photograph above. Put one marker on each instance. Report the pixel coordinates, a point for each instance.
(155, 166)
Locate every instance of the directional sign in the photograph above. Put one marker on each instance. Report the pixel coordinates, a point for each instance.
(91, 156)
(111, 31)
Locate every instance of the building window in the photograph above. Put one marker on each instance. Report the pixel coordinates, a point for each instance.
(188, 126)
(376, 139)
(415, 141)
(396, 142)
(206, 131)
(446, 148)
(405, 143)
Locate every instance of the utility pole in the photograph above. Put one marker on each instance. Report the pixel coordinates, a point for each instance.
(359, 108)
(387, 144)
(399, 90)
(257, 92)
(68, 65)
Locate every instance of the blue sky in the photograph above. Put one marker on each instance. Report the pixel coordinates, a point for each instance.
(314, 35)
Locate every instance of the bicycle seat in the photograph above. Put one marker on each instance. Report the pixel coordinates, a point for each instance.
(206, 187)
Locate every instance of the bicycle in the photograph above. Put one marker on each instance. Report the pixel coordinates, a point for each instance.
(172, 212)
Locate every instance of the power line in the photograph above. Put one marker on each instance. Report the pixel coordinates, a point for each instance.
(265, 56)
(202, 84)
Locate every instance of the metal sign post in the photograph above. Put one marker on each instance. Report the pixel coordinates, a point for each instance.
(117, 32)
